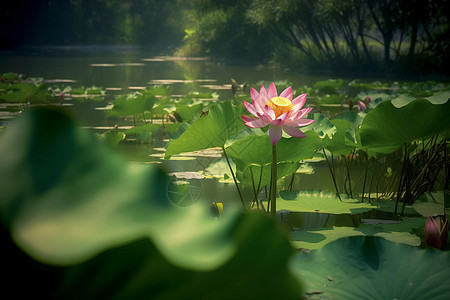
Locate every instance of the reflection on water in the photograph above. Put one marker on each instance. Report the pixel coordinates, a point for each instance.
(122, 67)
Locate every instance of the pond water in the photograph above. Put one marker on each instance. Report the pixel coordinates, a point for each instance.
(122, 70)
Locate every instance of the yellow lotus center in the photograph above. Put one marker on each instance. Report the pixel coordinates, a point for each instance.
(280, 105)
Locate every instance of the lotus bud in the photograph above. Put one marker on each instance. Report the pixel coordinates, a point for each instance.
(436, 231)
(367, 100)
(361, 106)
(216, 209)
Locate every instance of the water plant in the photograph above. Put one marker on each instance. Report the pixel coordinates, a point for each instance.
(281, 113)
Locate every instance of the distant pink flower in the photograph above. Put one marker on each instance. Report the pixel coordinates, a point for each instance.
(367, 99)
(361, 106)
(279, 112)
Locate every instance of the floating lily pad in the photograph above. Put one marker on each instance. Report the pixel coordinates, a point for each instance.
(320, 201)
(373, 268)
(389, 206)
(24, 92)
(319, 237)
(430, 204)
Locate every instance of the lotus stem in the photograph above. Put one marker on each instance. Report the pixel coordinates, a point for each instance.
(234, 177)
(273, 203)
(256, 190)
(291, 184)
(365, 177)
(347, 164)
(332, 175)
(371, 178)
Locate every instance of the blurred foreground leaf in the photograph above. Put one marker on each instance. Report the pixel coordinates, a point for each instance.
(104, 228)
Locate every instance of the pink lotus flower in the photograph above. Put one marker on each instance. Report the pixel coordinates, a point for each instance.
(436, 231)
(279, 112)
(361, 106)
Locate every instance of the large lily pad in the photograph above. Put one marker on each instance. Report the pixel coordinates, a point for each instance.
(132, 104)
(213, 130)
(319, 237)
(430, 204)
(374, 268)
(321, 202)
(386, 128)
(24, 92)
(337, 143)
(107, 228)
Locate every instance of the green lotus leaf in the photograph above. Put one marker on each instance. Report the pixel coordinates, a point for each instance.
(331, 99)
(257, 149)
(108, 229)
(403, 100)
(373, 268)
(329, 86)
(389, 206)
(202, 95)
(406, 225)
(322, 126)
(321, 202)
(143, 128)
(430, 204)
(93, 90)
(24, 92)
(213, 130)
(112, 137)
(337, 144)
(10, 76)
(219, 168)
(352, 116)
(132, 104)
(440, 97)
(319, 237)
(188, 112)
(158, 90)
(386, 128)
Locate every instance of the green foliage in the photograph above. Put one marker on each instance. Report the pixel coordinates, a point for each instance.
(373, 268)
(257, 149)
(25, 92)
(213, 130)
(221, 29)
(330, 86)
(386, 128)
(112, 137)
(337, 143)
(139, 102)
